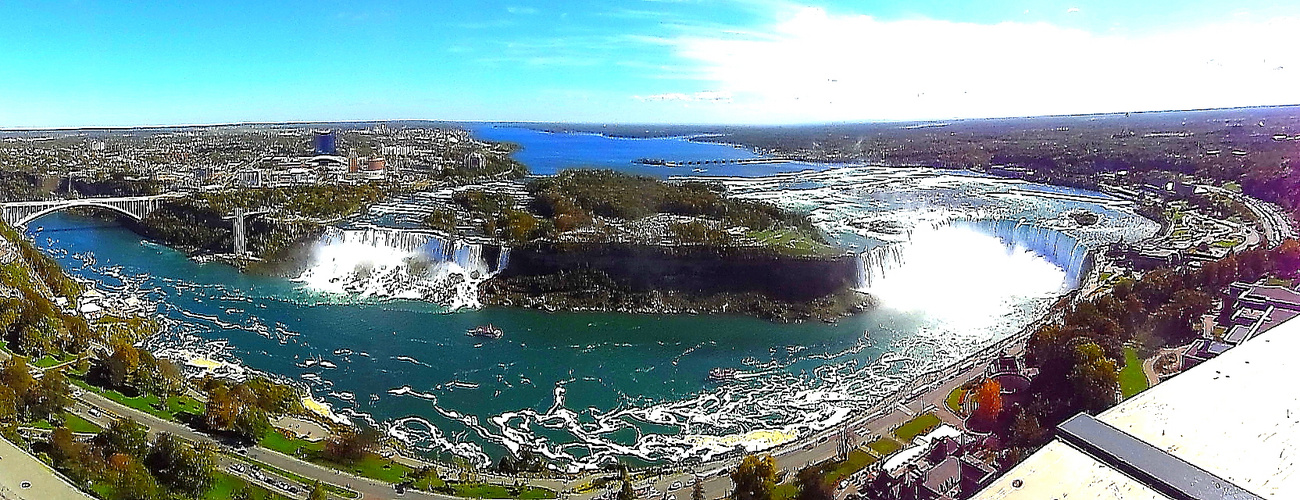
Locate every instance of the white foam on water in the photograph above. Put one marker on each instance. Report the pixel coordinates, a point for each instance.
(387, 263)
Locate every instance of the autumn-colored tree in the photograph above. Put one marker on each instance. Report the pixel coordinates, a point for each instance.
(988, 400)
(755, 478)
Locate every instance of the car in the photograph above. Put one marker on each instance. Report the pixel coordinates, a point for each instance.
(677, 485)
(94, 412)
(844, 484)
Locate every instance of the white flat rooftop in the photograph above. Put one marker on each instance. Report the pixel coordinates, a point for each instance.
(1236, 416)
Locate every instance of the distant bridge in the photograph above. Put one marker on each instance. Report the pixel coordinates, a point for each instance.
(20, 213)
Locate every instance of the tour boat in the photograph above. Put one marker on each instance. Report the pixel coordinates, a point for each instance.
(722, 374)
(487, 330)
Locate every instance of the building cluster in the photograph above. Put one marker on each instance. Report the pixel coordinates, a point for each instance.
(1247, 311)
(944, 464)
(1189, 236)
(214, 157)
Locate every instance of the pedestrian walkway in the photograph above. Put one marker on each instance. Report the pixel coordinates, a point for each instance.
(23, 477)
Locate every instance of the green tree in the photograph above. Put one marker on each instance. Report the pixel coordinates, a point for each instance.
(52, 395)
(9, 405)
(351, 446)
(813, 485)
(1095, 378)
(132, 480)
(625, 491)
(124, 436)
(317, 492)
(17, 376)
(252, 424)
(755, 478)
(441, 220)
(182, 467)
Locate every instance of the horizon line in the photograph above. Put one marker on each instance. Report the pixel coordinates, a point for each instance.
(626, 124)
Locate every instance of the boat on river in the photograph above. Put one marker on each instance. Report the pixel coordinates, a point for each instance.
(722, 375)
(488, 331)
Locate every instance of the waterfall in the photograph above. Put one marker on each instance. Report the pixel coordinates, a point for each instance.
(378, 262)
(1061, 249)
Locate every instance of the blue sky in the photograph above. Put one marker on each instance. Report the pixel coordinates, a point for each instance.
(98, 63)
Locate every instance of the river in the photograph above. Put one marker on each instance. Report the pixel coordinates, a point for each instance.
(588, 388)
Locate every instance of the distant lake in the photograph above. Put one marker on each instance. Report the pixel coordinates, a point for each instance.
(546, 153)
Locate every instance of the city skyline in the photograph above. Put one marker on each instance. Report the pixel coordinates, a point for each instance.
(86, 64)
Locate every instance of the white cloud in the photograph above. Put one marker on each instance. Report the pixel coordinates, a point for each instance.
(815, 66)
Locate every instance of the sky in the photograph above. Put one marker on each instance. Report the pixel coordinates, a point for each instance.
(101, 63)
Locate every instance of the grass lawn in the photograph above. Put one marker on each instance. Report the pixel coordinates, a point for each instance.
(175, 405)
(45, 361)
(1132, 379)
(785, 491)
(226, 485)
(289, 446)
(790, 242)
(921, 424)
(858, 460)
(374, 467)
(74, 423)
(954, 399)
(428, 482)
(884, 446)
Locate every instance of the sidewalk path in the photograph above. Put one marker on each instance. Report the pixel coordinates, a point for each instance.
(24, 477)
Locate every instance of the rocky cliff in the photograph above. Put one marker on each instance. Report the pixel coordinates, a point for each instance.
(675, 279)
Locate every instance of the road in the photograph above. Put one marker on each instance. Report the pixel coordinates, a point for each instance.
(368, 488)
(1275, 225)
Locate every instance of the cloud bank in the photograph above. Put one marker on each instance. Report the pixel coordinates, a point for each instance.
(815, 66)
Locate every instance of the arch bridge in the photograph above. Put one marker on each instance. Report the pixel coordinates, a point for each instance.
(19, 213)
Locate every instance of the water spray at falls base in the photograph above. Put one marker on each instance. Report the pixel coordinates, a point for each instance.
(375, 262)
(964, 274)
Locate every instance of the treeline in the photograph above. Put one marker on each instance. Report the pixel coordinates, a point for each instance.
(30, 321)
(19, 186)
(115, 184)
(322, 201)
(572, 199)
(245, 408)
(494, 167)
(199, 222)
(1078, 357)
(1069, 150)
(24, 398)
(120, 463)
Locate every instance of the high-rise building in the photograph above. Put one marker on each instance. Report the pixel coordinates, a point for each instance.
(324, 142)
